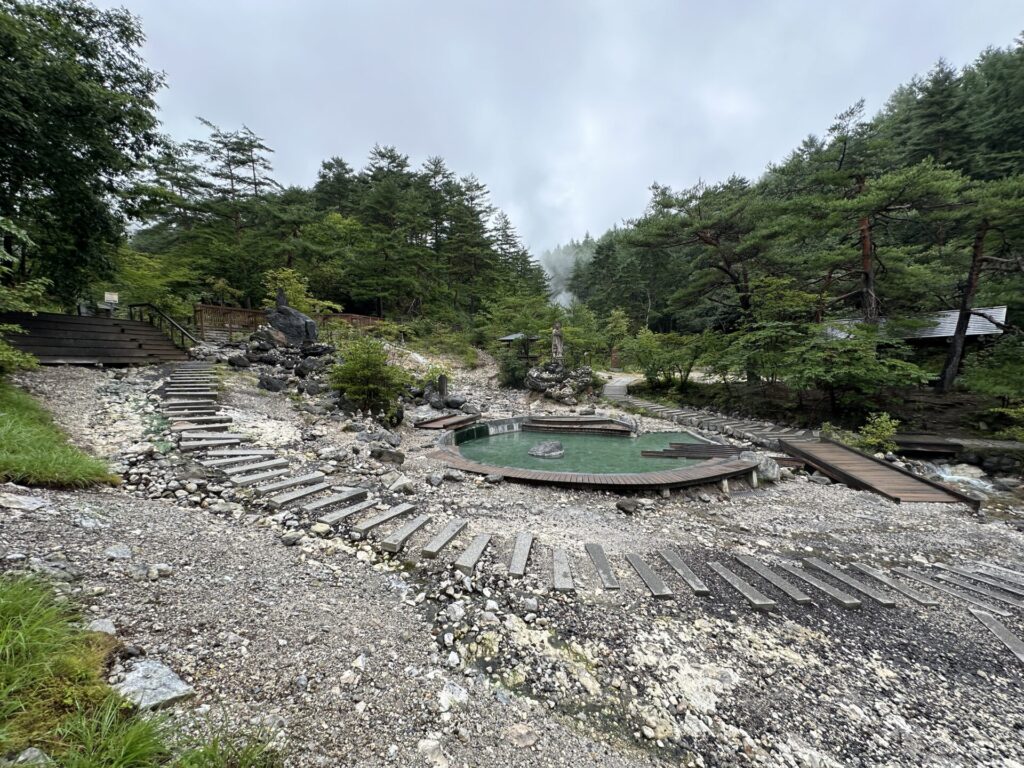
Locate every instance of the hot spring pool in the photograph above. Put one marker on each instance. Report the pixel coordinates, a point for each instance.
(592, 454)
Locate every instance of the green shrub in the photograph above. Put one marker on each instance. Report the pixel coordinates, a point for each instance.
(876, 435)
(366, 378)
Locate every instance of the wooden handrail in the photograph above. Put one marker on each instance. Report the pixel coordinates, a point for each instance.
(172, 325)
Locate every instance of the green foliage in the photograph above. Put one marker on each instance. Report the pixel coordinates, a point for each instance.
(224, 750)
(1012, 419)
(664, 358)
(33, 451)
(877, 434)
(296, 290)
(997, 370)
(366, 378)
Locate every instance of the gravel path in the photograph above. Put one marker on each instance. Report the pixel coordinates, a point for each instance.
(356, 658)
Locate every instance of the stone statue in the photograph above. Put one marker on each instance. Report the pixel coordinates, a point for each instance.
(557, 344)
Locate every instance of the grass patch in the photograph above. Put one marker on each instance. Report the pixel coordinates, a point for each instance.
(34, 451)
(53, 696)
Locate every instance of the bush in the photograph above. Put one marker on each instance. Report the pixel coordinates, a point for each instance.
(367, 380)
(876, 435)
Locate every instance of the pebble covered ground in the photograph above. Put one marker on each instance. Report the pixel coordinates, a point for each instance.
(347, 656)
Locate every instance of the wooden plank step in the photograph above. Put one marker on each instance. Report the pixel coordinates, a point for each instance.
(443, 538)
(757, 601)
(561, 572)
(364, 527)
(395, 542)
(289, 482)
(981, 578)
(653, 581)
(602, 566)
(998, 629)
(1006, 574)
(227, 461)
(267, 464)
(466, 562)
(844, 599)
(186, 426)
(981, 590)
(798, 597)
(903, 589)
(339, 515)
(693, 581)
(345, 495)
(830, 570)
(965, 596)
(217, 452)
(201, 444)
(200, 419)
(289, 497)
(245, 480)
(520, 554)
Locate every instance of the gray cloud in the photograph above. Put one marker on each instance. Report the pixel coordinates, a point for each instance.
(568, 110)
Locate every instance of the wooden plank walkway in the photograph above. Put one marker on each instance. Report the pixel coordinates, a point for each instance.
(858, 470)
(705, 473)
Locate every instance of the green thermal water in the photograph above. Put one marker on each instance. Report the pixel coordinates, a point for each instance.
(595, 454)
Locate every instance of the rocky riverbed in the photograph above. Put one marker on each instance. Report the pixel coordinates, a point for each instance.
(348, 656)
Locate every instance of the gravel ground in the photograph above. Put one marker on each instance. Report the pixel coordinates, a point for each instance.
(273, 635)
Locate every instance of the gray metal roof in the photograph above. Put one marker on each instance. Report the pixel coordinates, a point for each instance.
(936, 325)
(944, 323)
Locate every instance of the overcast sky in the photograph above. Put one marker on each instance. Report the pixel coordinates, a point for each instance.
(568, 111)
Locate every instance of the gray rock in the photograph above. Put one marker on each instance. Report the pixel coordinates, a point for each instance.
(494, 478)
(150, 684)
(106, 626)
(454, 475)
(310, 365)
(30, 756)
(239, 361)
(455, 401)
(22, 503)
(548, 449)
(521, 735)
(470, 409)
(271, 383)
(296, 327)
(291, 538)
(118, 552)
(820, 479)
(627, 506)
(767, 467)
(386, 455)
(435, 479)
(402, 485)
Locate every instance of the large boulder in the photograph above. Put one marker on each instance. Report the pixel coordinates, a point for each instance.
(295, 326)
(767, 468)
(558, 383)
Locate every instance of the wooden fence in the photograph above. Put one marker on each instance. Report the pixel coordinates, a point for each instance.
(217, 323)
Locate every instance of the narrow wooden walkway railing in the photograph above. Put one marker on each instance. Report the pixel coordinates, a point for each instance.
(858, 470)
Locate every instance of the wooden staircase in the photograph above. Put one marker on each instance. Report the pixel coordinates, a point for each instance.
(72, 340)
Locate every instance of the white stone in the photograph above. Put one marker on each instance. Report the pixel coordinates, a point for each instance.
(150, 684)
(22, 503)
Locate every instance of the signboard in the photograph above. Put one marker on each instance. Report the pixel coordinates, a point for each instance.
(110, 298)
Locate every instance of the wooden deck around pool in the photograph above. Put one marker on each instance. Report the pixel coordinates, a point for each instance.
(706, 473)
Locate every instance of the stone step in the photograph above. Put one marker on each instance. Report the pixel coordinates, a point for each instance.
(242, 452)
(195, 418)
(284, 499)
(443, 537)
(844, 599)
(798, 597)
(259, 465)
(1004, 635)
(1006, 574)
(967, 597)
(653, 581)
(981, 578)
(338, 515)
(693, 581)
(201, 435)
(186, 426)
(230, 460)
(878, 575)
(859, 586)
(520, 554)
(466, 562)
(200, 445)
(166, 405)
(602, 566)
(260, 477)
(345, 495)
(190, 394)
(757, 600)
(199, 410)
(981, 590)
(396, 541)
(289, 482)
(364, 527)
(561, 579)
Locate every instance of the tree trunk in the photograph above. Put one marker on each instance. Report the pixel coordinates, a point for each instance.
(869, 298)
(956, 344)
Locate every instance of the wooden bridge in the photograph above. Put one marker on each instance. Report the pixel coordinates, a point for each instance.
(858, 470)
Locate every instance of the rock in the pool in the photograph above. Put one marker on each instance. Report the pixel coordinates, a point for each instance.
(549, 449)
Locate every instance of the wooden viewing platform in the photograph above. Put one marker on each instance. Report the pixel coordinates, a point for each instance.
(858, 470)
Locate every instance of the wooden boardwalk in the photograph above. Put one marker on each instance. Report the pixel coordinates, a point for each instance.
(702, 474)
(858, 470)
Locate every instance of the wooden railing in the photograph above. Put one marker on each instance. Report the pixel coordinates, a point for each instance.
(211, 319)
(148, 313)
